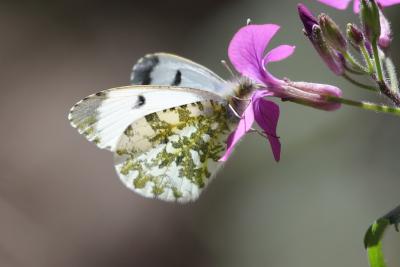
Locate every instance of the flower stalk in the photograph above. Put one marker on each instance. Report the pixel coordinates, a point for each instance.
(359, 84)
(377, 60)
(367, 58)
(365, 105)
(391, 70)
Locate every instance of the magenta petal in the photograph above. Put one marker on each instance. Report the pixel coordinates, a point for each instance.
(339, 4)
(243, 127)
(247, 48)
(389, 2)
(277, 54)
(356, 6)
(383, 3)
(266, 114)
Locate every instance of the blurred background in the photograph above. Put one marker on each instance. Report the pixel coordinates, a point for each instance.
(61, 203)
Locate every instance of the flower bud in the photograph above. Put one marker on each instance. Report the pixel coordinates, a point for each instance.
(332, 33)
(313, 31)
(370, 19)
(385, 39)
(313, 94)
(329, 56)
(307, 18)
(355, 35)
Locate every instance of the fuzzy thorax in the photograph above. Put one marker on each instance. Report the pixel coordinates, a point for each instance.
(241, 89)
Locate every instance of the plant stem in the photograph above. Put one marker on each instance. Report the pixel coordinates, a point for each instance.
(361, 85)
(365, 105)
(391, 69)
(367, 58)
(347, 68)
(392, 95)
(354, 63)
(377, 60)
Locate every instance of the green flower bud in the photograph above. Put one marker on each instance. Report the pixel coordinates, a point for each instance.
(332, 33)
(370, 19)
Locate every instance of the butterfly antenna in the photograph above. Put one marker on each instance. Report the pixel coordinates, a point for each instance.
(241, 99)
(228, 68)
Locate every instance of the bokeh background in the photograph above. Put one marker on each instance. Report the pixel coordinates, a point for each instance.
(61, 204)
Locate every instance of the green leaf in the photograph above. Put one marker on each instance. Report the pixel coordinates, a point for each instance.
(373, 242)
(374, 235)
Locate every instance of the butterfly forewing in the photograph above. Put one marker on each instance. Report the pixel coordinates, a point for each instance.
(103, 117)
(173, 154)
(167, 69)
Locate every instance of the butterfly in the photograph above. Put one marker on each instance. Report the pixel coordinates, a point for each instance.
(168, 129)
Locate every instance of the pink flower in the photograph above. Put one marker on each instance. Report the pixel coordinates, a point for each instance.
(343, 4)
(246, 52)
(266, 114)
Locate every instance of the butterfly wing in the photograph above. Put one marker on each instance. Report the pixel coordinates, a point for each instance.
(168, 69)
(173, 154)
(103, 117)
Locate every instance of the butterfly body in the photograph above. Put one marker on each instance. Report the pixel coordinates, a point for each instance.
(168, 130)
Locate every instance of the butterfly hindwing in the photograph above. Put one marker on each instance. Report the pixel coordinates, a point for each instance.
(168, 69)
(102, 117)
(173, 154)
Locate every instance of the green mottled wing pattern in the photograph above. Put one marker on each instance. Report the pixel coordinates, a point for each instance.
(173, 154)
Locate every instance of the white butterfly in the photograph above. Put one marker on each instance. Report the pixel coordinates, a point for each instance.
(168, 130)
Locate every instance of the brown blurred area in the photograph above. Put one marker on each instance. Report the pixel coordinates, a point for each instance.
(61, 204)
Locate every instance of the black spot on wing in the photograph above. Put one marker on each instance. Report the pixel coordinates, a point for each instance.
(178, 78)
(101, 94)
(142, 70)
(141, 100)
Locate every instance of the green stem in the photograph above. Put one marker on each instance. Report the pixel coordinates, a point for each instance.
(391, 69)
(354, 63)
(361, 85)
(380, 79)
(377, 60)
(365, 105)
(352, 71)
(367, 58)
